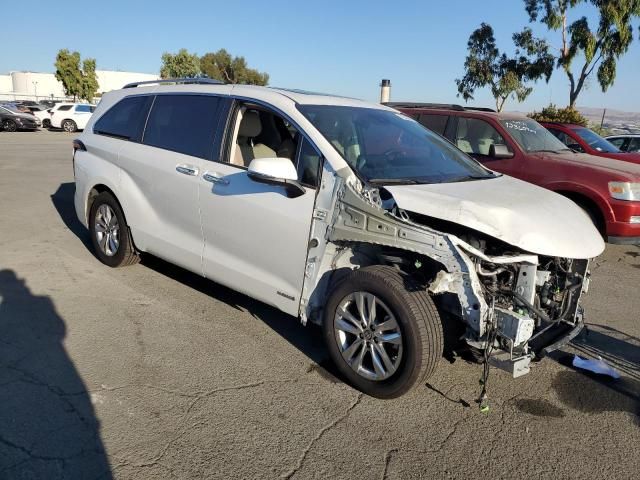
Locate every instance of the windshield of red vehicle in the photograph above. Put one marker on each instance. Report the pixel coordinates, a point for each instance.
(532, 136)
(388, 147)
(595, 141)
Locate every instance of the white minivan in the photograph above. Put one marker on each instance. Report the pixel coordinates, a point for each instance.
(340, 212)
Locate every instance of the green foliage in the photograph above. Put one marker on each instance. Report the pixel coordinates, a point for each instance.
(180, 65)
(506, 76)
(560, 115)
(600, 46)
(77, 82)
(222, 66)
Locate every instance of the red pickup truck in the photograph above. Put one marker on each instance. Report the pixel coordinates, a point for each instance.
(608, 190)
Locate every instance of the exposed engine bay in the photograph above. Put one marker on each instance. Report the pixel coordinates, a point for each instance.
(514, 305)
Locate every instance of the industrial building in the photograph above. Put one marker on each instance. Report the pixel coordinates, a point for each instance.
(42, 86)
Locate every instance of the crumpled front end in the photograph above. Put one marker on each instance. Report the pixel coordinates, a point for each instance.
(515, 305)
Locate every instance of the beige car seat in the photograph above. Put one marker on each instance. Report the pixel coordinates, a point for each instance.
(246, 150)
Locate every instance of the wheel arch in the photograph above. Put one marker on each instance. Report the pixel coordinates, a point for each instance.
(588, 203)
(96, 190)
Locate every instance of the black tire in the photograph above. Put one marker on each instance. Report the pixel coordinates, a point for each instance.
(125, 253)
(9, 125)
(46, 123)
(416, 315)
(69, 126)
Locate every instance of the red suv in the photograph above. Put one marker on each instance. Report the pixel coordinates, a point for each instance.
(581, 139)
(607, 189)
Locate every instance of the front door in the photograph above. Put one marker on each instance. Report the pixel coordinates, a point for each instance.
(475, 137)
(255, 236)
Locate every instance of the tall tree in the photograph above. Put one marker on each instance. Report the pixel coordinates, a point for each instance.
(180, 65)
(507, 76)
(77, 82)
(222, 66)
(89, 85)
(598, 47)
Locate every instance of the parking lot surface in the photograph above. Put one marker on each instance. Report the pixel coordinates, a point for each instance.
(152, 372)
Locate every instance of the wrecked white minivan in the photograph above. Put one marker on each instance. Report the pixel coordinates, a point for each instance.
(343, 213)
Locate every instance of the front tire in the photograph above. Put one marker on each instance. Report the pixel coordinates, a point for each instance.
(383, 331)
(46, 123)
(110, 234)
(69, 126)
(9, 125)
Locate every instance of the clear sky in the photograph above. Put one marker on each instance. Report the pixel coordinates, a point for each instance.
(344, 47)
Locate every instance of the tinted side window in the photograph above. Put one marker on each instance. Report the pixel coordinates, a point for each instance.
(475, 136)
(83, 108)
(634, 145)
(64, 108)
(617, 141)
(436, 123)
(125, 119)
(183, 123)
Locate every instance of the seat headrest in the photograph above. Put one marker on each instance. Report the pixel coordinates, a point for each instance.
(250, 126)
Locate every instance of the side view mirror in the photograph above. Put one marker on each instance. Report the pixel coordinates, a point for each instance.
(498, 151)
(276, 171)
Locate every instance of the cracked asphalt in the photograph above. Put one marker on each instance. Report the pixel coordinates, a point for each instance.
(152, 372)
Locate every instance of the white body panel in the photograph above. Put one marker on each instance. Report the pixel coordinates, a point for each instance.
(255, 237)
(516, 212)
(162, 204)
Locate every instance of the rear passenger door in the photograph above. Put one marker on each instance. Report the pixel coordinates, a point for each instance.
(82, 114)
(161, 172)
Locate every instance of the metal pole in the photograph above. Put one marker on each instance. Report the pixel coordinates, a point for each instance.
(602, 121)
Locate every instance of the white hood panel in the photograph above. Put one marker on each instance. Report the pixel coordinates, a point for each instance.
(518, 213)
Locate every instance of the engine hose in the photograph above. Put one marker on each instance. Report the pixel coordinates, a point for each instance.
(528, 304)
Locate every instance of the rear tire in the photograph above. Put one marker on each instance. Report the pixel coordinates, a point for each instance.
(110, 233)
(9, 125)
(69, 126)
(407, 311)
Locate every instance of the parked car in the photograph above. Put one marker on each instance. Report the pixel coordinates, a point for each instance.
(583, 140)
(11, 119)
(71, 116)
(608, 190)
(626, 143)
(42, 114)
(343, 213)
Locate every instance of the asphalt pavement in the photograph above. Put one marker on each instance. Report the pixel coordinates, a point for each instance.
(151, 372)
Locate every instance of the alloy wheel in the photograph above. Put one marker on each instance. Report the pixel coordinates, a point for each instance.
(368, 336)
(107, 230)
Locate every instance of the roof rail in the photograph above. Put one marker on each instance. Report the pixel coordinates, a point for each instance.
(480, 109)
(448, 106)
(198, 81)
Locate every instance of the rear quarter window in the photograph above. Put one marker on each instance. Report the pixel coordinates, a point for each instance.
(183, 123)
(64, 108)
(125, 119)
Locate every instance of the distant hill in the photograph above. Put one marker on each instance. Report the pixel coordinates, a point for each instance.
(615, 120)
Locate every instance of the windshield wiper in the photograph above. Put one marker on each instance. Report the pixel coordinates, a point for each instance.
(552, 151)
(394, 181)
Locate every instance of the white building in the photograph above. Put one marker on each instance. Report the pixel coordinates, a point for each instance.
(41, 86)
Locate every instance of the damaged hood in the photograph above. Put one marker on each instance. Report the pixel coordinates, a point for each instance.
(518, 213)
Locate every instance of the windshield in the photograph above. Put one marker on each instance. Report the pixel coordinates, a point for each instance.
(532, 136)
(595, 141)
(387, 147)
(11, 108)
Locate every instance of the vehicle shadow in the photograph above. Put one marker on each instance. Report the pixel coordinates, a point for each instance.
(307, 339)
(48, 427)
(62, 200)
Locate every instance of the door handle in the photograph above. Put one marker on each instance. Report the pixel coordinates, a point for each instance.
(187, 170)
(215, 178)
